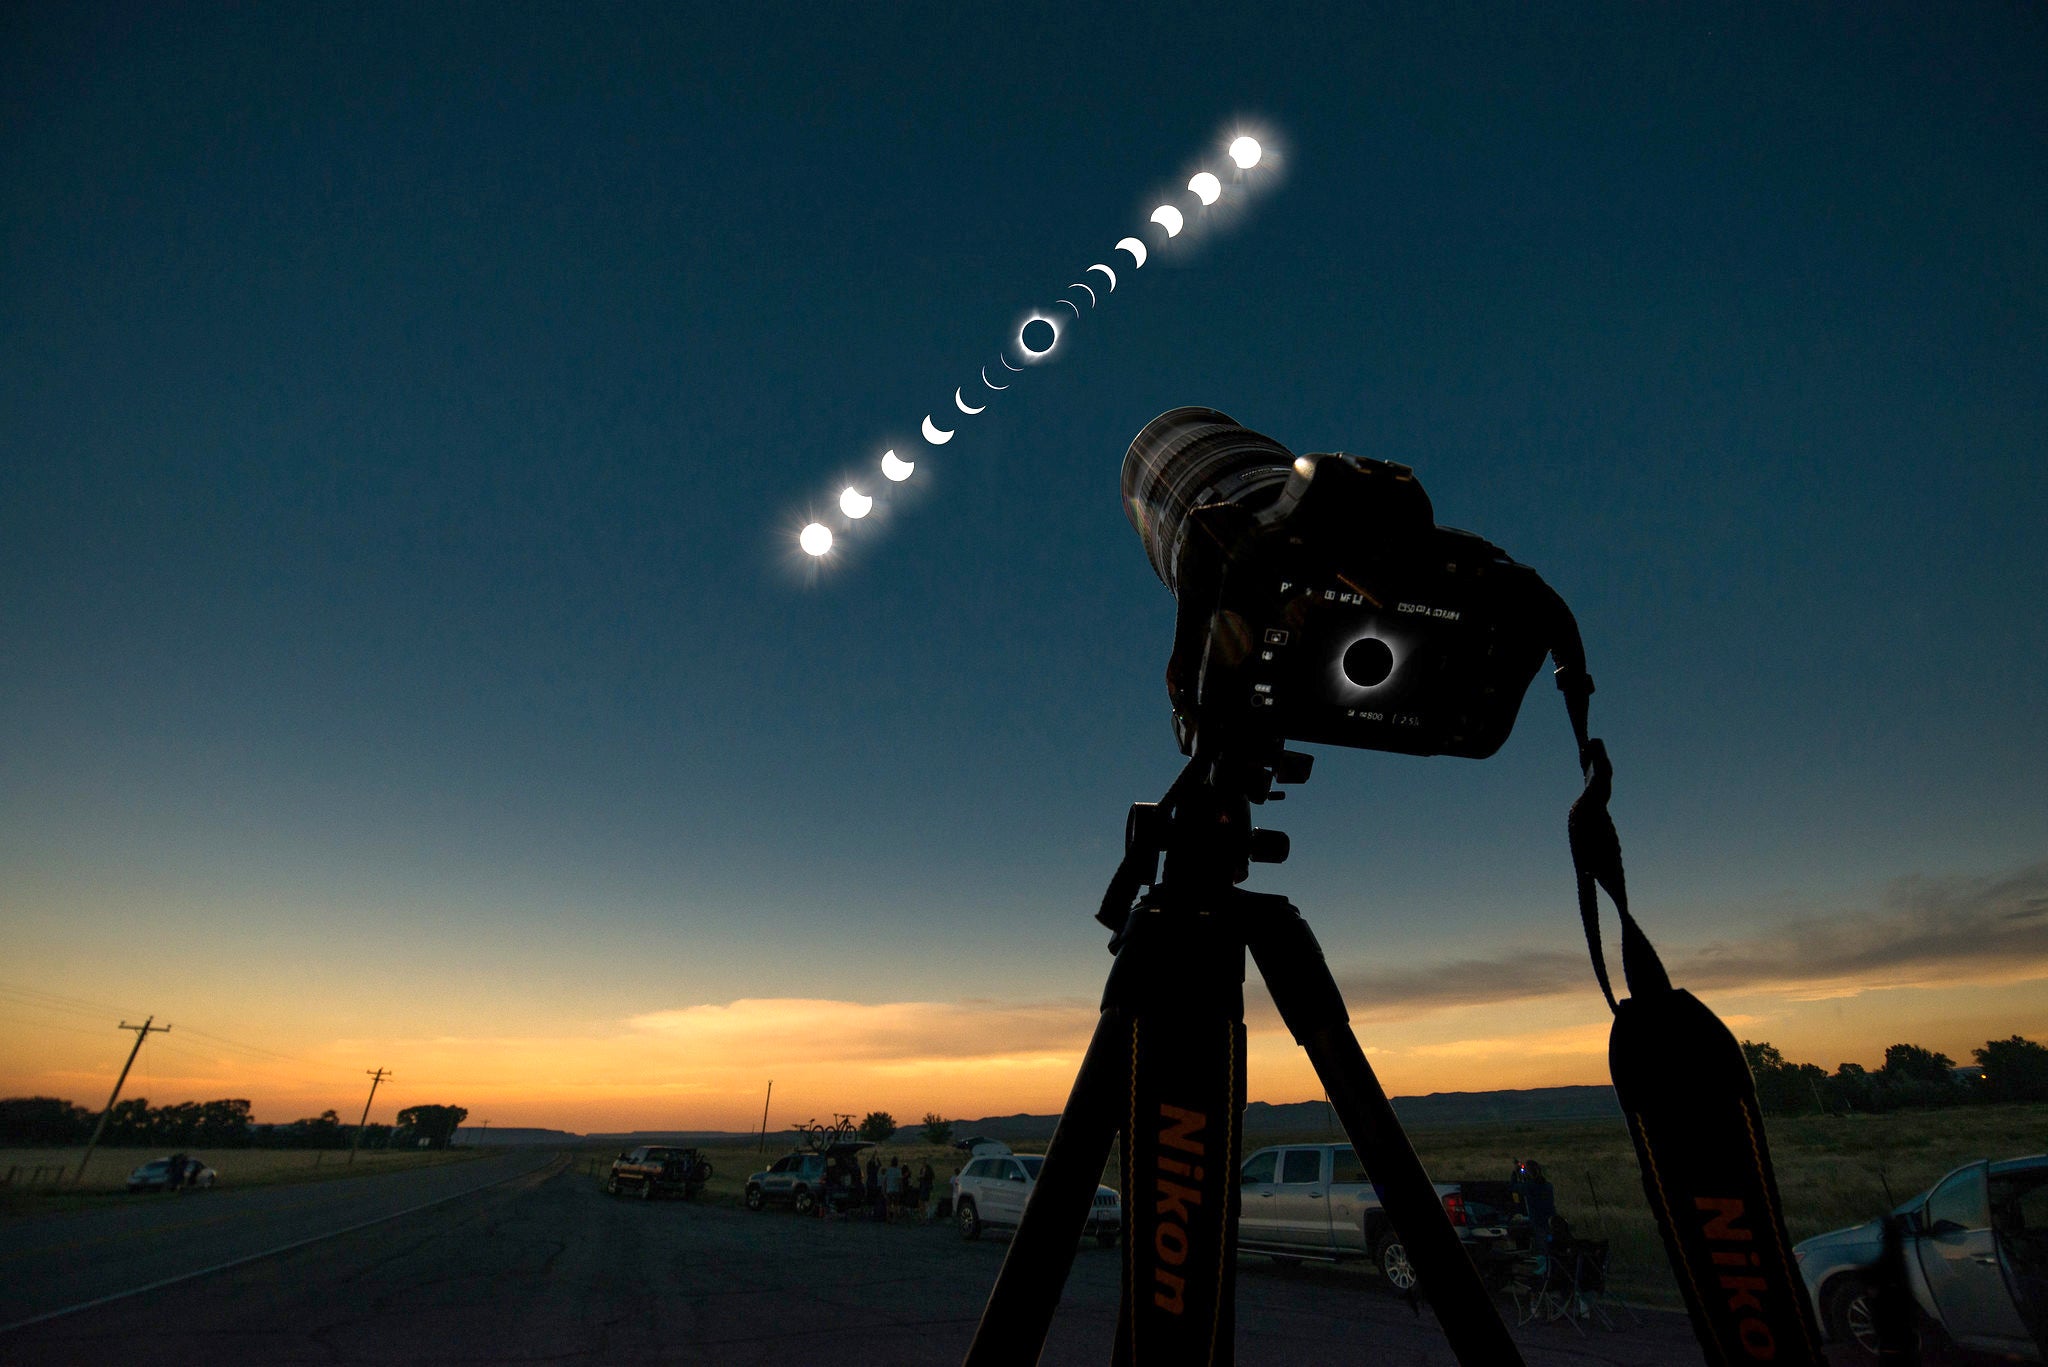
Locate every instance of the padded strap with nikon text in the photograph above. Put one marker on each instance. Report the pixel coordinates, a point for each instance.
(1690, 1100)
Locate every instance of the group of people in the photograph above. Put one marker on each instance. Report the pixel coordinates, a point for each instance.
(181, 1171)
(886, 1190)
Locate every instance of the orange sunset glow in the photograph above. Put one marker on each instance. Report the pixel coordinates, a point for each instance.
(707, 1066)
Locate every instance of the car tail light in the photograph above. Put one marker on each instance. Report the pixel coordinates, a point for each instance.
(1454, 1206)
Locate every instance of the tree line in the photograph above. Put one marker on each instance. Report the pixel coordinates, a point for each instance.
(1911, 1077)
(48, 1122)
(877, 1126)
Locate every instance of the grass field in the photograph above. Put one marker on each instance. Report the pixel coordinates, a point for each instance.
(1832, 1170)
(107, 1174)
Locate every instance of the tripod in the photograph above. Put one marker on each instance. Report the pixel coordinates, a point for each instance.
(1165, 1070)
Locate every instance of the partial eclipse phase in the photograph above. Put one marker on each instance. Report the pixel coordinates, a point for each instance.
(933, 433)
(854, 503)
(1098, 266)
(896, 468)
(1168, 217)
(961, 403)
(1207, 188)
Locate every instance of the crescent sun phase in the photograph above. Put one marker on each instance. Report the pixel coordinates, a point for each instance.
(935, 434)
(1098, 266)
(990, 383)
(961, 404)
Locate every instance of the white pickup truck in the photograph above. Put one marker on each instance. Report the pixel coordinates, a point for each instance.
(1315, 1201)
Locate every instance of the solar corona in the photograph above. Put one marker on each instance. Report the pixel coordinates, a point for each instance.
(1036, 337)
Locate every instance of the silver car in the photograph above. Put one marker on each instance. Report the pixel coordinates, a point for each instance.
(1976, 1246)
(992, 1190)
(155, 1175)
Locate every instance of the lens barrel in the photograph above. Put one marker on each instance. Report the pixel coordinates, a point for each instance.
(1188, 458)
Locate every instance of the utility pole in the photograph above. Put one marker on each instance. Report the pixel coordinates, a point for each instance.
(142, 1032)
(375, 1078)
(764, 1116)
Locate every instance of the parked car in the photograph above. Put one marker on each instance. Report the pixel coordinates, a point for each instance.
(992, 1190)
(809, 1177)
(1316, 1201)
(155, 1175)
(975, 1146)
(1976, 1250)
(651, 1170)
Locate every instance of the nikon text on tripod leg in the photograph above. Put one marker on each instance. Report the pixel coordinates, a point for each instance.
(1166, 1067)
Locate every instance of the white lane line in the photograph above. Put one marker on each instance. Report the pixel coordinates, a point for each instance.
(266, 1253)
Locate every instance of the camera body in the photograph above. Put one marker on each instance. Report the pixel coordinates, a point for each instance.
(1320, 602)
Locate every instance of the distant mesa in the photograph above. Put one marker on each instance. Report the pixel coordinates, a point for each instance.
(1530, 1106)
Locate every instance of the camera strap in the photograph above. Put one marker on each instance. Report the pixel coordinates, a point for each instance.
(1691, 1103)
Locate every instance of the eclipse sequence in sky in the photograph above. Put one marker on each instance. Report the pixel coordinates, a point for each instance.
(1036, 340)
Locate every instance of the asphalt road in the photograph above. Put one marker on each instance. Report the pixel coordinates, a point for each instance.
(51, 1262)
(542, 1267)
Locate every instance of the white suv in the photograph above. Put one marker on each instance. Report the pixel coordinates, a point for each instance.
(992, 1190)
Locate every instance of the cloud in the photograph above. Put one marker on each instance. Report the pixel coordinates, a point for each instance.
(1923, 932)
(1511, 976)
(880, 1033)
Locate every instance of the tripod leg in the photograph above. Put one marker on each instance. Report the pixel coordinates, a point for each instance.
(1292, 963)
(1166, 1066)
(1181, 1150)
(1034, 1272)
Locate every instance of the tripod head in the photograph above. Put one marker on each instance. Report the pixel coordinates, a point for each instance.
(1203, 826)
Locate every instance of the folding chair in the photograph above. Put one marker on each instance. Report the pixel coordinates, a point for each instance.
(1541, 1282)
(1584, 1295)
(1538, 1286)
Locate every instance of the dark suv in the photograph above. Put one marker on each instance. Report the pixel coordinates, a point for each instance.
(652, 1169)
(805, 1179)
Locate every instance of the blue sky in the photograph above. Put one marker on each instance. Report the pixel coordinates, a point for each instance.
(408, 419)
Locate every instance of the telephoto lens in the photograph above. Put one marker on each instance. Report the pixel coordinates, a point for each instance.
(1188, 458)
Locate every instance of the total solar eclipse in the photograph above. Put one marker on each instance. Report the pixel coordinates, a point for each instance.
(1038, 337)
(1368, 661)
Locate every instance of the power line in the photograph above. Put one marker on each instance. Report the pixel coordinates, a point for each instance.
(248, 1048)
(57, 1001)
(38, 999)
(50, 1025)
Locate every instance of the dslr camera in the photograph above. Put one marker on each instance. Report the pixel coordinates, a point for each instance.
(1318, 600)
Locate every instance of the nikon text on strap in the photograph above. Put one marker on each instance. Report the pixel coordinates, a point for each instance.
(1690, 1100)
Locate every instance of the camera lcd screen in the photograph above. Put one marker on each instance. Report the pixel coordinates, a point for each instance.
(1436, 670)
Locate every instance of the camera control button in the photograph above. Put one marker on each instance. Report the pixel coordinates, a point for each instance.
(1276, 636)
